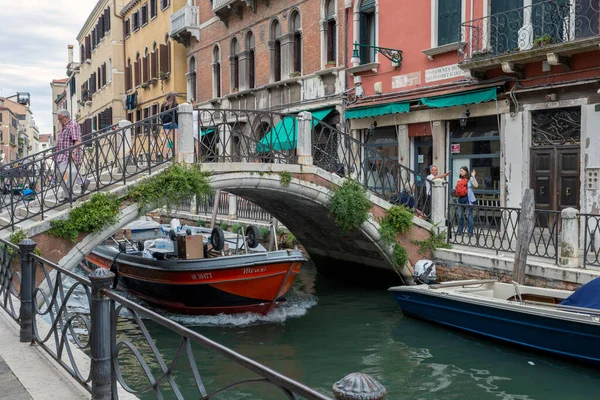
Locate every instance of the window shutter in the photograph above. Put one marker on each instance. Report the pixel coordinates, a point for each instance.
(107, 20)
(331, 9)
(127, 78)
(145, 69)
(367, 5)
(136, 78)
(154, 65)
(448, 21)
(88, 47)
(163, 59)
(169, 57)
(82, 53)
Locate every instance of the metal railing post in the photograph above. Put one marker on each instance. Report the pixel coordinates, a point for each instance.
(26, 247)
(100, 340)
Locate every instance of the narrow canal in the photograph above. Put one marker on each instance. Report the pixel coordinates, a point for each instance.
(329, 329)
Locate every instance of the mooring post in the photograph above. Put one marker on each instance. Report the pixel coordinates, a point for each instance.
(569, 244)
(438, 205)
(100, 335)
(525, 230)
(26, 248)
(358, 386)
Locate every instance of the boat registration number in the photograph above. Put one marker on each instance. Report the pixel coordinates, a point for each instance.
(198, 277)
(258, 270)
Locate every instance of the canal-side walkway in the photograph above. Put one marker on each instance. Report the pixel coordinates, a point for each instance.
(27, 372)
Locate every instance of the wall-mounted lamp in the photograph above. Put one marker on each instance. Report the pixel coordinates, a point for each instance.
(395, 56)
(371, 130)
(464, 118)
(359, 91)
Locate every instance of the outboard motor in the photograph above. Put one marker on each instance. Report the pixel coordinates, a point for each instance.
(425, 272)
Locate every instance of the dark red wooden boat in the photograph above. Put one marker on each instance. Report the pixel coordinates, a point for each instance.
(254, 282)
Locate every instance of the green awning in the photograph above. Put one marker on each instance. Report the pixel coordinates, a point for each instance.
(375, 111)
(460, 99)
(206, 131)
(284, 135)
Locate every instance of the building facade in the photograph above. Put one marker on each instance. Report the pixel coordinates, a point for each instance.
(46, 141)
(27, 130)
(154, 64)
(507, 88)
(9, 131)
(59, 102)
(101, 70)
(279, 55)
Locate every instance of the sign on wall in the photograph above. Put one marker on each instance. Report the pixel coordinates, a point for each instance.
(441, 73)
(400, 81)
(455, 148)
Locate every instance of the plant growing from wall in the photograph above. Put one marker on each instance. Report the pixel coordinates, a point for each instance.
(431, 244)
(100, 211)
(400, 256)
(397, 220)
(543, 40)
(16, 237)
(285, 178)
(349, 206)
(175, 185)
(295, 74)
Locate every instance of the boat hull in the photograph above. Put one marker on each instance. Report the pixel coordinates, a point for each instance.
(235, 284)
(563, 337)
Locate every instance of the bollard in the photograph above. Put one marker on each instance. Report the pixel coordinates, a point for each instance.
(569, 244)
(438, 205)
(100, 340)
(27, 246)
(358, 386)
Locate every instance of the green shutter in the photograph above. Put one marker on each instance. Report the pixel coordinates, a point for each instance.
(330, 9)
(449, 17)
(367, 5)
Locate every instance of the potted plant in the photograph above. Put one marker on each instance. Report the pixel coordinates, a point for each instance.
(295, 74)
(235, 90)
(330, 64)
(163, 75)
(543, 40)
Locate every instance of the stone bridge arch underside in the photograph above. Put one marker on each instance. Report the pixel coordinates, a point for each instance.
(302, 207)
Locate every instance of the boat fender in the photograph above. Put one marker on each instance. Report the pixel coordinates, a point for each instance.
(252, 236)
(188, 232)
(217, 238)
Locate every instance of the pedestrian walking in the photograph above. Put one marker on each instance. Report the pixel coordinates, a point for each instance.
(67, 160)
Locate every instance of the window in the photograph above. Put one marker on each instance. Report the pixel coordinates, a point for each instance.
(107, 20)
(104, 80)
(192, 80)
(367, 29)
(154, 109)
(250, 49)
(144, 14)
(109, 76)
(154, 62)
(146, 66)
(72, 86)
(234, 63)
(331, 32)
(94, 39)
(216, 72)
(275, 47)
(165, 58)
(14, 122)
(128, 72)
(297, 52)
(135, 21)
(449, 15)
(153, 9)
(127, 27)
(82, 53)
(137, 70)
(88, 48)
(164, 4)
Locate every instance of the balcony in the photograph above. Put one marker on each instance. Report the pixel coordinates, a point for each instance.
(225, 8)
(548, 30)
(185, 24)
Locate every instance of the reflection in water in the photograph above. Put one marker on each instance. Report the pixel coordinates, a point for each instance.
(328, 329)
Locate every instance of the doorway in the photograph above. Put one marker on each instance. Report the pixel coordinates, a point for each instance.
(423, 155)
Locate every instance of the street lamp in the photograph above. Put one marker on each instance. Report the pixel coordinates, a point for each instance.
(464, 118)
(395, 56)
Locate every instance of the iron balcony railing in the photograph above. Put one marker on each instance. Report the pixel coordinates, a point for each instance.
(102, 339)
(340, 153)
(542, 24)
(495, 228)
(591, 241)
(39, 184)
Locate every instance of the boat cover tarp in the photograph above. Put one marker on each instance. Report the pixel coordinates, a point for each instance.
(587, 296)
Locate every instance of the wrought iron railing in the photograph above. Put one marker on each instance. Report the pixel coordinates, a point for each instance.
(245, 209)
(248, 210)
(340, 153)
(246, 136)
(78, 321)
(41, 184)
(536, 26)
(205, 205)
(591, 241)
(495, 228)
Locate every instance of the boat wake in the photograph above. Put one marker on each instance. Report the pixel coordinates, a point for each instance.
(297, 305)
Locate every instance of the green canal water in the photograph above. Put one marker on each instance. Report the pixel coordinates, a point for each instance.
(329, 329)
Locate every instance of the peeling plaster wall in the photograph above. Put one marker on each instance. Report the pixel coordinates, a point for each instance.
(590, 157)
(516, 158)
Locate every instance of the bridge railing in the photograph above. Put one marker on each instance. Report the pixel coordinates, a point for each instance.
(591, 242)
(340, 153)
(44, 183)
(245, 136)
(102, 338)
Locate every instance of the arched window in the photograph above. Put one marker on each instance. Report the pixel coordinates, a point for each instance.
(137, 70)
(109, 71)
(216, 72)
(297, 52)
(367, 30)
(128, 75)
(250, 50)
(275, 50)
(234, 63)
(330, 32)
(192, 80)
(164, 55)
(146, 66)
(154, 62)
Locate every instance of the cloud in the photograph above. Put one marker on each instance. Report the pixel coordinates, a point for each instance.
(34, 35)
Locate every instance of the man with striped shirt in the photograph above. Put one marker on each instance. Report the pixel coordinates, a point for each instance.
(67, 161)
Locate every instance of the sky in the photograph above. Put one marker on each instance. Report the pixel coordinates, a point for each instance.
(34, 35)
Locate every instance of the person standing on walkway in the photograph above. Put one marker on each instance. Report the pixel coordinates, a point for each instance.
(67, 162)
(433, 174)
(465, 197)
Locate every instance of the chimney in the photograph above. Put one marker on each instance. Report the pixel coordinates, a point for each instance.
(70, 47)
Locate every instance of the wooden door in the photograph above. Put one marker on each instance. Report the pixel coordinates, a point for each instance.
(555, 177)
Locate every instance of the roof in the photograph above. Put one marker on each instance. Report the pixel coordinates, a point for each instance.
(87, 26)
(63, 80)
(128, 7)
